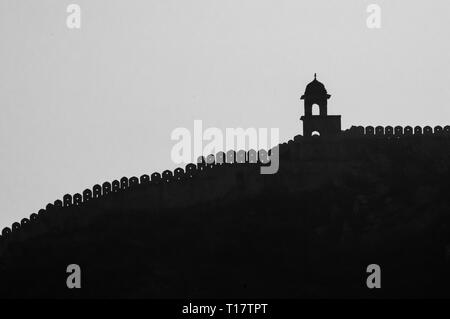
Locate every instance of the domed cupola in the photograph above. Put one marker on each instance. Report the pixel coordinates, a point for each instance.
(316, 89)
(323, 124)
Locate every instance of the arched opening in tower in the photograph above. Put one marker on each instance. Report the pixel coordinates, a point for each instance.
(315, 109)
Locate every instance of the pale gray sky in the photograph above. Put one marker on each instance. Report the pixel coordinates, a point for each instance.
(80, 107)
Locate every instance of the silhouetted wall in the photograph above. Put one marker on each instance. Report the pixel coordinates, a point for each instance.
(225, 174)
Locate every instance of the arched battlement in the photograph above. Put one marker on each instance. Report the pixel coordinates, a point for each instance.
(417, 130)
(145, 179)
(210, 159)
(124, 183)
(231, 157)
(201, 163)
(167, 176)
(115, 186)
(87, 195)
(263, 157)
(133, 181)
(191, 170)
(379, 131)
(398, 130)
(96, 191)
(77, 199)
(156, 178)
(6, 232)
(179, 174)
(107, 188)
(67, 199)
(388, 131)
(15, 227)
(252, 156)
(427, 130)
(220, 158)
(408, 131)
(370, 130)
(241, 157)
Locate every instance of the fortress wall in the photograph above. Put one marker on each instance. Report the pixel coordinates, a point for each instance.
(225, 175)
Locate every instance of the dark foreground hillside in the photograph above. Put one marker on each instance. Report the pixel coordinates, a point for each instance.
(334, 207)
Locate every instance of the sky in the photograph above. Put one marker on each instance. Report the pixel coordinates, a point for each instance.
(89, 105)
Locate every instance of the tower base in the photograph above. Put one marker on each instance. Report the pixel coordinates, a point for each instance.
(324, 125)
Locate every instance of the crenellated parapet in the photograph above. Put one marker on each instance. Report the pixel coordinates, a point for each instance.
(396, 131)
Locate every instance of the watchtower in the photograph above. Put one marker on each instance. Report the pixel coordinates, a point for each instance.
(322, 123)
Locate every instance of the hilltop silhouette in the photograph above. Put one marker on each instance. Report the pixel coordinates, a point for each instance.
(339, 202)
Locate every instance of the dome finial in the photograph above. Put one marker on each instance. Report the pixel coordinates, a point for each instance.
(315, 76)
